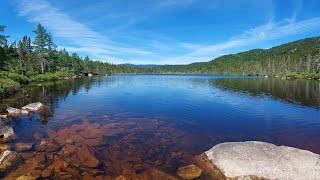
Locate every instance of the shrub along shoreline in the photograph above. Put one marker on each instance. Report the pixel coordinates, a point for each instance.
(11, 82)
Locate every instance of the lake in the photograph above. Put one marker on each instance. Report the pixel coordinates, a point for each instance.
(126, 124)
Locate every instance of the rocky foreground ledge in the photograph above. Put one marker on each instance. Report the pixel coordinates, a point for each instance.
(259, 160)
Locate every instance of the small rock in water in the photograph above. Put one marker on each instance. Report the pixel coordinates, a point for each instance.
(189, 172)
(33, 106)
(16, 112)
(3, 116)
(4, 155)
(6, 134)
(22, 146)
(263, 160)
(9, 160)
(48, 146)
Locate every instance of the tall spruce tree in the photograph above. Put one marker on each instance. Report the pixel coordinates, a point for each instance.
(3, 43)
(41, 46)
(24, 52)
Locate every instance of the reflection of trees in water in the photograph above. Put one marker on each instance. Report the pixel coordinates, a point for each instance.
(305, 92)
(50, 93)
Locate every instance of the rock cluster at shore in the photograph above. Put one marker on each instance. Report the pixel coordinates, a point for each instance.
(25, 110)
(10, 158)
(260, 160)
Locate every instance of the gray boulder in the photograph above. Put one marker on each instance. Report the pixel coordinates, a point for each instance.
(252, 159)
(33, 106)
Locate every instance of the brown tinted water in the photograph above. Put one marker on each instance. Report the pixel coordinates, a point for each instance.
(105, 127)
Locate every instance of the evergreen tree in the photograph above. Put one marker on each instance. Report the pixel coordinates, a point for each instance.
(41, 46)
(24, 52)
(3, 38)
(3, 43)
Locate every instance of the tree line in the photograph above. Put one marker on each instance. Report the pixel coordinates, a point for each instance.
(41, 55)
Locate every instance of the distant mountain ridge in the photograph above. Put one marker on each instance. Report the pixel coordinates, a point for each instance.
(299, 58)
(141, 65)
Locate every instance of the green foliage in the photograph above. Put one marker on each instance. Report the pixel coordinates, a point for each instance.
(51, 76)
(15, 77)
(7, 85)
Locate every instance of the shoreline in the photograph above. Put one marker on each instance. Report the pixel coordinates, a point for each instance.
(9, 86)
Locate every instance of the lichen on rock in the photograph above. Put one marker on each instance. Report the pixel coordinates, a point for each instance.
(264, 160)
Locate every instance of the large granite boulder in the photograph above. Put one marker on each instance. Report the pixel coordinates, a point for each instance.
(260, 160)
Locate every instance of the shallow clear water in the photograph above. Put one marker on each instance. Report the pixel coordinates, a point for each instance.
(131, 123)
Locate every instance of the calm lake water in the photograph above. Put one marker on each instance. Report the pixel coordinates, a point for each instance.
(130, 123)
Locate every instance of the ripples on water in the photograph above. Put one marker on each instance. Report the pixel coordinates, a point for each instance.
(127, 124)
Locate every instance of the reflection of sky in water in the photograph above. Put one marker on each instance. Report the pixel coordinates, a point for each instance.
(174, 95)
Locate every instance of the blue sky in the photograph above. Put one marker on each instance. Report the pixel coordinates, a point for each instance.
(163, 31)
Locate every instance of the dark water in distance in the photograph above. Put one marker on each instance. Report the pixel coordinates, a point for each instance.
(163, 120)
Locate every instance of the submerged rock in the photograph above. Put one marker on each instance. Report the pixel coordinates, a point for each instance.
(22, 146)
(48, 146)
(9, 160)
(189, 172)
(4, 147)
(46, 173)
(153, 174)
(238, 160)
(33, 106)
(6, 134)
(29, 176)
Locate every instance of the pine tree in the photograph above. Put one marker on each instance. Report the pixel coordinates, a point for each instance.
(41, 46)
(24, 52)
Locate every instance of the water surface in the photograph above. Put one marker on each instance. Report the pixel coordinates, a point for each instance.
(131, 123)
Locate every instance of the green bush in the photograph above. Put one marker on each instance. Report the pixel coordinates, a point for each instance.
(7, 85)
(31, 73)
(16, 77)
(51, 76)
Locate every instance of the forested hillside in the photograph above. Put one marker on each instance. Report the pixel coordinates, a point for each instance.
(296, 59)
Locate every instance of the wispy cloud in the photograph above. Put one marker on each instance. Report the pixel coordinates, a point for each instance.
(264, 33)
(77, 36)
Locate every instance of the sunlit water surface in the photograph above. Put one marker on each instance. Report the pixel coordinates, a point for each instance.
(130, 123)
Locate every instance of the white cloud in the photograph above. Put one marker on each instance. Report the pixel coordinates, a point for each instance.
(78, 36)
